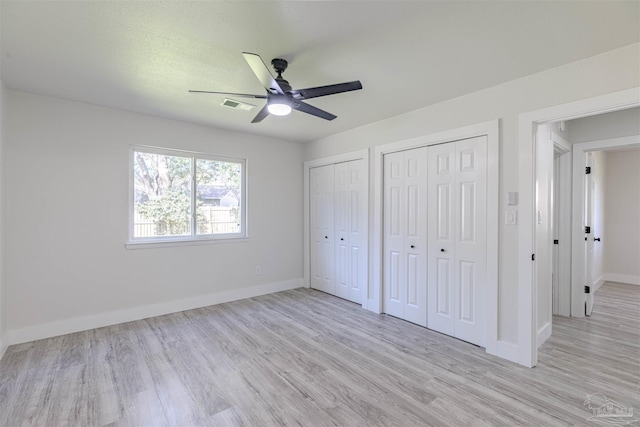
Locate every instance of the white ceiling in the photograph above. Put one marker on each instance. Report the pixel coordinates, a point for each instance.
(144, 56)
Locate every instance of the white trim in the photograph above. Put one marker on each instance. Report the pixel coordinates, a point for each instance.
(194, 238)
(543, 334)
(150, 244)
(526, 303)
(324, 161)
(77, 324)
(577, 259)
(621, 278)
(562, 228)
(3, 346)
(597, 284)
(507, 350)
(492, 130)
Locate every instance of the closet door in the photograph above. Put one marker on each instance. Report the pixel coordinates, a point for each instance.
(441, 245)
(322, 228)
(404, 239)
(342, 214)
(458, 241)
(350, 220)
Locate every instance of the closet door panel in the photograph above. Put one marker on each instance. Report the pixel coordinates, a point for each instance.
(405, 231)
(471, 240)
(357, 218)
(441, 238)
(342, 223)
(394, 234)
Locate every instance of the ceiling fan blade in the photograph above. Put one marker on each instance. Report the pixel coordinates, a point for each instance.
(262, 72)
(245, 95)
(261, 115)
(314, 92)
(314, 111)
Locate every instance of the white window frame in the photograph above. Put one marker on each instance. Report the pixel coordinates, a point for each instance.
(193, 239)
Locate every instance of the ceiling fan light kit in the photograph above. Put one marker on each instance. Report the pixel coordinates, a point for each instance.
(281, 98)
(279, 105)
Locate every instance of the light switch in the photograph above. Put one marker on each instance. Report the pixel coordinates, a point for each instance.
(512, 198)
(511, 218)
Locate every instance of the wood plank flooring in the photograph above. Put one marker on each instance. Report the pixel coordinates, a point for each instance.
(306, 358)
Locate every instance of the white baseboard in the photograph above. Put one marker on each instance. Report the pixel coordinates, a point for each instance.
(598, 283)
(3, 346)
(78, 324)
(543, 334)
(506, 350)
(622, 278)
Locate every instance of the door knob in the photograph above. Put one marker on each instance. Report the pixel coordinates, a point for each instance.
(596, 239)
(412, 246)
(342, 238)
(442, 250)
(326, 237)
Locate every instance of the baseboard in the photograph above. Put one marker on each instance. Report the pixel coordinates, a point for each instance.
(3, 346)
(543, 334)
(506, 350)
(598, 283)
(622, 278)
(78, 324)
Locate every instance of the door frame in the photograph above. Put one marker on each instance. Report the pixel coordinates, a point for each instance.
(562, 222)
(339, 158)
(578, 258)
(527, 303)
(491, 130)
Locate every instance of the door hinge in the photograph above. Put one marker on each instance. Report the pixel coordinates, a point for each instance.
(587, 229)
(588, 170)
(533, 257)
(555, 242)
(587, 290)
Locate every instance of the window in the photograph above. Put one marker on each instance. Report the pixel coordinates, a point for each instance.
(178, 196)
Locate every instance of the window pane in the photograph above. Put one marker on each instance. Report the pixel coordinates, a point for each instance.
(162, 195)
(217, 197)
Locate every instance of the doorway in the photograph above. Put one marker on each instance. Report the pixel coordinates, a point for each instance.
(529, 296)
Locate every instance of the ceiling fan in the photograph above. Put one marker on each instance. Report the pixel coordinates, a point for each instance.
(281, 98)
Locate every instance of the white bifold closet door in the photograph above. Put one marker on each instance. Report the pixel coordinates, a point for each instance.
(321, 195)
(434, 237)
(457, 239)
(405, 232)
(338, 229)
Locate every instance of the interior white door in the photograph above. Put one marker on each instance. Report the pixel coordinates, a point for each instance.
(341, 215)
(350, 259)
(588, 236)
(441, 232)
(457, 239)
(357, 186)
(543, 267)
(404, 236)
(322, 228)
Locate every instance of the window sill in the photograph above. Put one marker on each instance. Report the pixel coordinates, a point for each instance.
(154, 244)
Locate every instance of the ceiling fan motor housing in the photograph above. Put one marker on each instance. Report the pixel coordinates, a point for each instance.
(280, 65)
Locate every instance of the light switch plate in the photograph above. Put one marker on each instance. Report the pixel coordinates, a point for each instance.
(512, 198)
(511, 218)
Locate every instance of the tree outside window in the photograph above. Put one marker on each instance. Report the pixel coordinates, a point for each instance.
(168, 203)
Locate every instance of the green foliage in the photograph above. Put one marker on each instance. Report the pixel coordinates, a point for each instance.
(171, 212)
(163, 188)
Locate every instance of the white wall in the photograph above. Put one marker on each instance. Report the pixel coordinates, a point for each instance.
(616, 124)
(3, 295)
(67, 210)
(621, 239)
(606, 73)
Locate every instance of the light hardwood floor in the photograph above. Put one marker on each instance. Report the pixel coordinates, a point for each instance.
(303, 357)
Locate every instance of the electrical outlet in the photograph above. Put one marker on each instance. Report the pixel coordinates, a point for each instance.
(258, 270)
